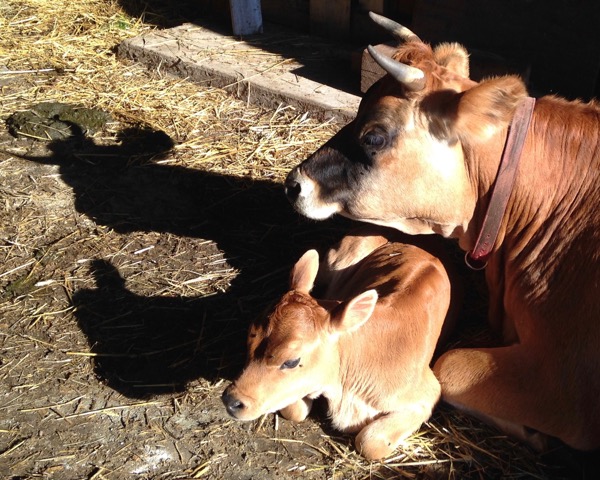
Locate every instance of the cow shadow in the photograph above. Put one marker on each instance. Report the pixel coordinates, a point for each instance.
(148, 345)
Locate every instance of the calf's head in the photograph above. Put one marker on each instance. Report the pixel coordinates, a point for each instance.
(292, 354)
(405, 161)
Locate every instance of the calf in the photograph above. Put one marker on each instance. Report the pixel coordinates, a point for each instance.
(365, 346)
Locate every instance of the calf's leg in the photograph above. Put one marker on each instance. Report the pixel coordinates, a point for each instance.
(383, 435)
(298, 411)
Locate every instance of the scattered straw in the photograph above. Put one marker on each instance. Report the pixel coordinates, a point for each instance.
(110, 409)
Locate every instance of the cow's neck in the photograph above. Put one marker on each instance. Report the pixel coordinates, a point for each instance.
(556, 179)
(549, 226)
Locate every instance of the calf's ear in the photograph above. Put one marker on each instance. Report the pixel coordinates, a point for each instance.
(305, 271)
(357, 311)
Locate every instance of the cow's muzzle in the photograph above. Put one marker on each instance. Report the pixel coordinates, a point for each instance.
(293, 187)
(303, 193)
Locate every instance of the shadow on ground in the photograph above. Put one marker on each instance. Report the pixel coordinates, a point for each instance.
(147, 345)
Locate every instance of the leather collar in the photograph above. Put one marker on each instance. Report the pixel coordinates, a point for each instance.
(502, 188)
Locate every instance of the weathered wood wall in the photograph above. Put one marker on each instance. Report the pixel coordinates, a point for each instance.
(338, 19)
(557, 40)
(554, 43)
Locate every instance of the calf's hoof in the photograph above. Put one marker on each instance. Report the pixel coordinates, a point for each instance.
(374, 446)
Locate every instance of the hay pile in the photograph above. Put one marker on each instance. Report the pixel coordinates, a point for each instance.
(77, 247)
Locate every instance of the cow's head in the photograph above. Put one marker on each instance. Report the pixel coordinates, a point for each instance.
(292, 354)
(407, 159)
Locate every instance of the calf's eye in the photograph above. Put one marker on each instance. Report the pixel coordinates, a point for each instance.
(290, 364)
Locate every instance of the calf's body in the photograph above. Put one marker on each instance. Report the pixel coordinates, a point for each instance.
(366, 345)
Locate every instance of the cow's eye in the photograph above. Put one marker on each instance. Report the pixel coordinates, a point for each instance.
(290, 364)
(373, 140)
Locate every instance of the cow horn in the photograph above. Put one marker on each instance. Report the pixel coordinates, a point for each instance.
(398, 31)
(411, 77)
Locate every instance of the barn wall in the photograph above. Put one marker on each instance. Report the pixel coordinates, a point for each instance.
(558, 41)
(339, 19)
(555, 44)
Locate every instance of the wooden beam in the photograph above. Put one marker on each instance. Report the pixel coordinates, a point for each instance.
(246, 17)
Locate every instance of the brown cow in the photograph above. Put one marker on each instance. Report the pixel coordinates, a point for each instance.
(422, 156)
(366, 345)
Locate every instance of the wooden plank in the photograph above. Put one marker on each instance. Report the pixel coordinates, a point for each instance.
(247, 69)
(246, 17)
(330, 18)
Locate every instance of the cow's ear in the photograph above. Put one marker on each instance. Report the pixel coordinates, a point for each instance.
(357, 311)
(305, 271)
(488, 106)
(454, 57)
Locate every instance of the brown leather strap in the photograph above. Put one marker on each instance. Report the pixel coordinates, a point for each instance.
(505, 180)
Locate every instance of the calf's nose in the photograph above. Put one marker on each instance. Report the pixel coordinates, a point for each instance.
(232, 404)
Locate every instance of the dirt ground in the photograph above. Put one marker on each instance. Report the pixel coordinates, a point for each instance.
(134, 253)
(104, 369)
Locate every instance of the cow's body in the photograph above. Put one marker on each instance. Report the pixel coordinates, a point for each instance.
(368, 353)
(423, 158)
